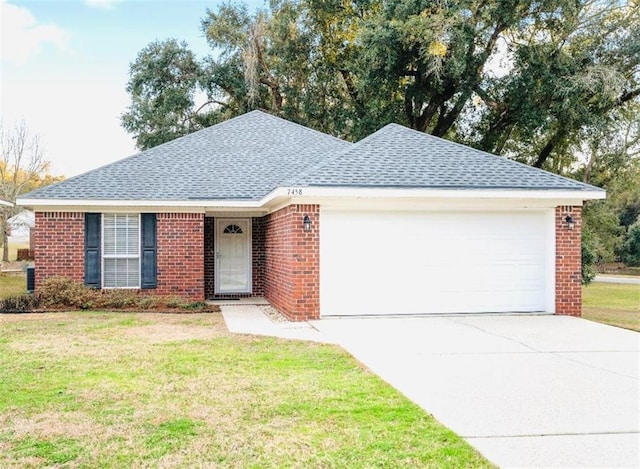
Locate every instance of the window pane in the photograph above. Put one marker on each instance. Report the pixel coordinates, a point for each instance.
(109, 238)
(121, 273)
(121, 234)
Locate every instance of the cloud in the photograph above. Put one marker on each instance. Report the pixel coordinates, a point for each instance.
(102, 4)
(23, 35)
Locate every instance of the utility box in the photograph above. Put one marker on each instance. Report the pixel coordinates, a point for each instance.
(31, 279)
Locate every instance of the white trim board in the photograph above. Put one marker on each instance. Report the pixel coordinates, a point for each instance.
(309, 195)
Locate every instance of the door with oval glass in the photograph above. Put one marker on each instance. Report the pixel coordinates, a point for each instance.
(233, 255)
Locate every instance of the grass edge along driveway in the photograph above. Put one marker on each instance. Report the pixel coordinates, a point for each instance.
(113, 389)
(613, 304)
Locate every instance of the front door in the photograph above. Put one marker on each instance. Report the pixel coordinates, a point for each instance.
(233, 255)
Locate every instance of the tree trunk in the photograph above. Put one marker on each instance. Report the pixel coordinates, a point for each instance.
(5, 245)
(354, 94)
(589, 167)
(446, 120)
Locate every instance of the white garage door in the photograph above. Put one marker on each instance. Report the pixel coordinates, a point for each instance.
(374, 263)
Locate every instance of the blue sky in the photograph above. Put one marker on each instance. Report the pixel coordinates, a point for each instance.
(64, 68)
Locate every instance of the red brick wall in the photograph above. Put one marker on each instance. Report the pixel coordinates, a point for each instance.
(568, 262)
(181, 255)
(292, 262)
(59, 251)
(58, 242)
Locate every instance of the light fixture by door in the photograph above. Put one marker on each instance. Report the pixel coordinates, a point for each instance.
(570, 222)
(306, 223)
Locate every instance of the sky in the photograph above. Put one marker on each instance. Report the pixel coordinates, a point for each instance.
(64, 67)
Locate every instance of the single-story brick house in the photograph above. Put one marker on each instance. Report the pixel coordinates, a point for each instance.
(399, 223)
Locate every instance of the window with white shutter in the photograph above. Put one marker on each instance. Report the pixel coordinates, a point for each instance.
(121, 250)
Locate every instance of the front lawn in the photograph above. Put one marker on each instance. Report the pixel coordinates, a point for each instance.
(123, 390)
(612, 303)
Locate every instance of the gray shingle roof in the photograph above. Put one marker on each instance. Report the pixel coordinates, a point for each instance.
(396, 156)
(246, 157)
(243, 158)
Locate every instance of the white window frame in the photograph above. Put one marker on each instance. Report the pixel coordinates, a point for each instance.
(103, 256)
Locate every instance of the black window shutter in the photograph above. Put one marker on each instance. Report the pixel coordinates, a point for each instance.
(92, 274)
(149, 251)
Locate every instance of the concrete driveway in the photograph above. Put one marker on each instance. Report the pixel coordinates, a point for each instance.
(526, 391)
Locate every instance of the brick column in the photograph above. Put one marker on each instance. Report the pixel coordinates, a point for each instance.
(292, 262)
(58, 243)
(257, 255)
(209, 257)
(181, 255)
(568, 261)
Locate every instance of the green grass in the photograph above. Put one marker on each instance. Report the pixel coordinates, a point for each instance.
(12, 284)
(613, 304)
(116, 389)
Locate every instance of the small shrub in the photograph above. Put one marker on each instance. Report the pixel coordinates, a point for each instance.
(175, 302)
(195, 305)
(19, 304)
(119, 299)
(59, 292)
(148, 302)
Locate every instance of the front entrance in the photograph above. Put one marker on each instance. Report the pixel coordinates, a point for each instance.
(233, 255)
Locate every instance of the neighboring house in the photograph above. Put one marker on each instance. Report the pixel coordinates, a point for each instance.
(399, 223)
(21, 224)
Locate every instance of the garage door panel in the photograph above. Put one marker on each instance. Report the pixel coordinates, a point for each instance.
(394, 262)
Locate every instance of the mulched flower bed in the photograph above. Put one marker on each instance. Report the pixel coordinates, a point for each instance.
(59, 294)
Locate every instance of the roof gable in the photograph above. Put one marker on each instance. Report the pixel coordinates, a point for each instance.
(398, 157)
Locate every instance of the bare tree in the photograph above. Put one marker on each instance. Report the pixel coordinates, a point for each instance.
(22, 168)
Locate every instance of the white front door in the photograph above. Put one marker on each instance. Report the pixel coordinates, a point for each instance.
(233, 255)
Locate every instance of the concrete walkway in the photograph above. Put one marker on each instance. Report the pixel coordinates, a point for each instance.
(249, 319)
(526, 391)
(617, 279)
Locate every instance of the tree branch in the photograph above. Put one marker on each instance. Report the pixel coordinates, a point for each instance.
(628, 96)
(213, 101)
(353, 92)
(550, 146)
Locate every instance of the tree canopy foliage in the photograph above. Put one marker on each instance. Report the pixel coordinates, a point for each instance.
(520, 78)
(552, 83)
